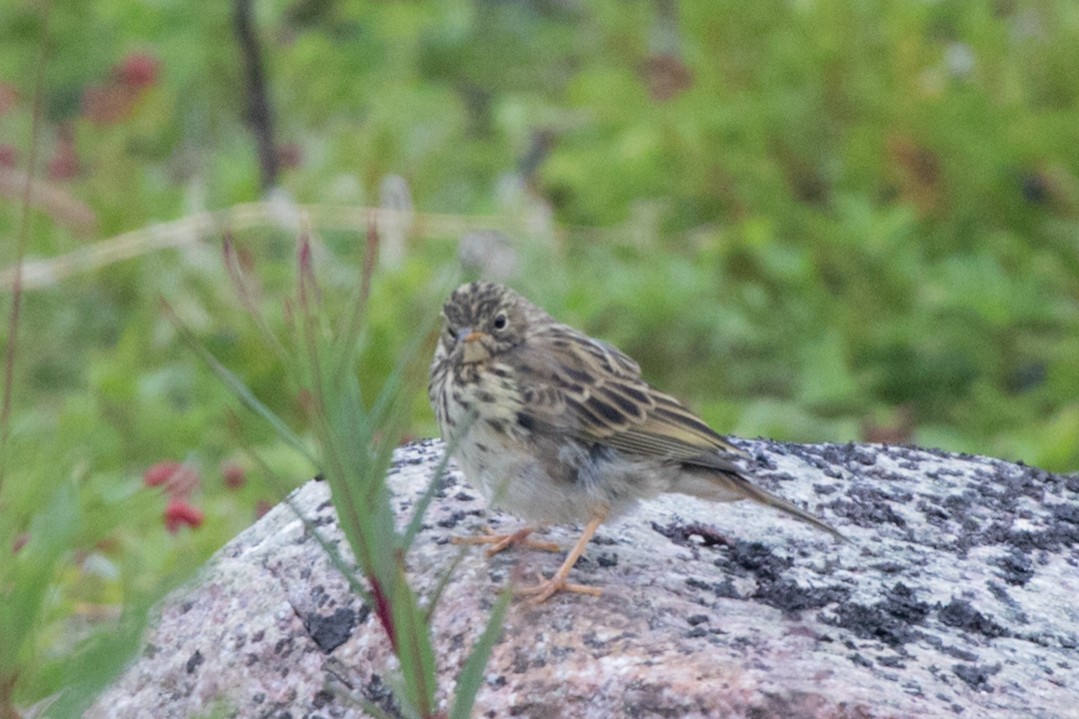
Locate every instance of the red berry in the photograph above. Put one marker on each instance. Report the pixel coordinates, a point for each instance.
(179, 513)
(233, 474)
(9, 97)
(178, 480)
(9, 156)
(137, 70)
(159, 473)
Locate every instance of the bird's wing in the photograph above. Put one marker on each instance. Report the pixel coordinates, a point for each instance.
(575, 384)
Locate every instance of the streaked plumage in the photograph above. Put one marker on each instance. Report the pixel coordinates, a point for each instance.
(560, 427)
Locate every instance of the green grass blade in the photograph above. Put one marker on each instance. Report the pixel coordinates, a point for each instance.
(470, 679)
(416, 521)
(26, 581)
(443, 582)
(240, 390)
(414, 648)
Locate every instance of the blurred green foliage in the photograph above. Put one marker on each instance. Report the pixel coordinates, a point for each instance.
(830, 220)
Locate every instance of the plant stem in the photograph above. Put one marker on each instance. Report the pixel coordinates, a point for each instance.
(20, 245)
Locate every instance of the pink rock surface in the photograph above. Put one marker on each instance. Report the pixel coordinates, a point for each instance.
(956, 598)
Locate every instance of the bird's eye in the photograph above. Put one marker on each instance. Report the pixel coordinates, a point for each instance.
(501, 321)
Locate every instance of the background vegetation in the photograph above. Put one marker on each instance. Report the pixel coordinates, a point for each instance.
(829, 220)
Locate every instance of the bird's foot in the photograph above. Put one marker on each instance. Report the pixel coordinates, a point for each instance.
(500, 542)
(547, 588)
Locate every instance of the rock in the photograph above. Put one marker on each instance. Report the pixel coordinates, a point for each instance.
(956, 597)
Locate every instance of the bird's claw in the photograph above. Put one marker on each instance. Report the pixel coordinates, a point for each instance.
(547, 588)
(501, 542)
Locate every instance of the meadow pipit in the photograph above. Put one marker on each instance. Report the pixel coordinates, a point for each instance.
(556, 427)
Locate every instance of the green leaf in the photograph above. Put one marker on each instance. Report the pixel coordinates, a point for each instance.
(416, 522)
(27, 581)
(470, 679)
(414, 648)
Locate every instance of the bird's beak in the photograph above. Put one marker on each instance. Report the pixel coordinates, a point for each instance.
(471, 344)
(473, 337)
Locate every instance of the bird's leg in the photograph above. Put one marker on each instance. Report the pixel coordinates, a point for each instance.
(546, 589)
(500, 542)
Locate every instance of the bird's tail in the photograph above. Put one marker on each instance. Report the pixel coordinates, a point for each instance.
(730, 486)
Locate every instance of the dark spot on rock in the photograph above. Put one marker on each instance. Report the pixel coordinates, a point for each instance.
(331, 631)
(976, 677)
(873, 622)
(901, 602)
(870, 507)
(895, 662)
(960, 614)
(860, 455)
(958, 653)
(1017, 569)
(1066, 513)
(764, 461)
(754, 558)
(194, 662)
(999, 591)
(681, 534)
(559, 652)
(452, 521)
(376, 692)
(521, 662)
(710, 536)
(791, 598)
(860, 660)
(325, 520)
(696, 619)
(322, 698)
(607, 559)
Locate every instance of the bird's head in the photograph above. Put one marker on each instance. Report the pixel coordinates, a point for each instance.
(482, 320)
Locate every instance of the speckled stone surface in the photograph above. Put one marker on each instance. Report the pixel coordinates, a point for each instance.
(957, 597)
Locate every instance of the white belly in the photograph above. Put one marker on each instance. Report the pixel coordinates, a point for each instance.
(500, 460)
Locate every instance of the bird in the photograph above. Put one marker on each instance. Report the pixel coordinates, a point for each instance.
(557, 427)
